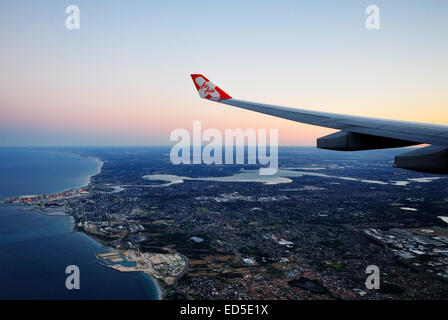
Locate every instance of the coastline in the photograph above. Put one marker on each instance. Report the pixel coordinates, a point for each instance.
(85, 184)
(89, 179)
(61, 212)
(159, 285)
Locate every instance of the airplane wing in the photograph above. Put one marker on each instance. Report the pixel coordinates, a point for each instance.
(356, 133)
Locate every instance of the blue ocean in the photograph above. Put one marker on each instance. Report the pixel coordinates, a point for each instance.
(36, 249)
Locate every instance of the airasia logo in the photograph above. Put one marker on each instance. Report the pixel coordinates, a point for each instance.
(207, 89)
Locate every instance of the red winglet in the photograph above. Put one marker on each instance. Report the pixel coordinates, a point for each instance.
(207, 89)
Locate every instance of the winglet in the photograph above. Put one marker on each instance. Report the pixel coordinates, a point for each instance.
(208, 90)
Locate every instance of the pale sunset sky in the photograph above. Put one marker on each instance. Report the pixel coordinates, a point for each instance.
(123, 77)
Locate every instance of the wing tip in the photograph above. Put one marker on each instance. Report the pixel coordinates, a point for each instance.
(207, 89)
